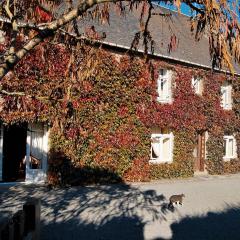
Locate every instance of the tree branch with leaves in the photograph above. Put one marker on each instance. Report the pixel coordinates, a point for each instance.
(34, 21)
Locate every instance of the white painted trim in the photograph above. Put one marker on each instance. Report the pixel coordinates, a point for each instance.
(165, 96)
(227, 138)
(162, 136)
(226, 98)
(1, 151)
(37, 175)
(45, 148)
(28, 148)
(199, 82)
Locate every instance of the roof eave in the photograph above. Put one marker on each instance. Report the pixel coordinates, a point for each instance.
(167, 57)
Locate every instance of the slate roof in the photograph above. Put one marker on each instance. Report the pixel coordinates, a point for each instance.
(121, 32)
(122, 29)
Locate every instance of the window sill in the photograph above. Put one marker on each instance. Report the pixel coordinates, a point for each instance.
(161, 100)
(228, 108)
(159, 161)
(228, 159)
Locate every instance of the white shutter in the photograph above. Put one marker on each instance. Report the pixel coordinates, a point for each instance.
(166, 149)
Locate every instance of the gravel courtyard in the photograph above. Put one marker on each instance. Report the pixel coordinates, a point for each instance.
(210, 210)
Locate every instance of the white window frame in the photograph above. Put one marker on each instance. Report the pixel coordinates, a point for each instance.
(226, 96)
(37, 175)
(197, 85)
(226, 138)
(161, 137)
(164, 96)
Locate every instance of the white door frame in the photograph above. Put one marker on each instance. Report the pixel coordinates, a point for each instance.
(37, 175)
(1, 151)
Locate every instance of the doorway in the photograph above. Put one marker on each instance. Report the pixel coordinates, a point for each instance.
(199, 152)
(23, 152)
(14, 151)
(36, 153)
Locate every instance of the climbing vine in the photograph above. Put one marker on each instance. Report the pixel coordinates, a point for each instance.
(102, 113)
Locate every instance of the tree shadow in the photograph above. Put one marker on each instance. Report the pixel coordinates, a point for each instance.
(213, 226)
(110, 211)
(117, 228)
(62, 172)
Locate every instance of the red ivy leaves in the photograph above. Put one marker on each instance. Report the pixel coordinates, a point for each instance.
(43, 15)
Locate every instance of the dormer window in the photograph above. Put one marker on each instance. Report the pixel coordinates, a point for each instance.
(197, 85)
(226, 96)
(164, 86)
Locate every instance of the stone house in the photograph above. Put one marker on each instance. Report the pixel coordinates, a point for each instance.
(188, 92)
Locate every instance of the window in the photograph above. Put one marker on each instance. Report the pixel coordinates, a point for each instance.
(226, 92)
(161, 148)
(164, 86)
(230, 147)
(197, 85)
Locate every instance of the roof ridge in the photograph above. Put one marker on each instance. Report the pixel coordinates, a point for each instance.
(171, 10)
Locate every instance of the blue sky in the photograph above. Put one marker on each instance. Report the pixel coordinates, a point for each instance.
(184, 8)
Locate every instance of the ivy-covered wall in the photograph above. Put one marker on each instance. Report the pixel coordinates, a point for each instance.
(102, 109)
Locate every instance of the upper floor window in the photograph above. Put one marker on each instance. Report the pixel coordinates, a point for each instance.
(197, 85)
(161, 148)
(164, 86)
(226, 96)
(230, 147)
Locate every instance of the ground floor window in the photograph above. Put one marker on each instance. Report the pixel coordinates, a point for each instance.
(161, 148)
(230, 147)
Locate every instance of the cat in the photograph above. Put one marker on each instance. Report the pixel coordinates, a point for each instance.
(176, 199)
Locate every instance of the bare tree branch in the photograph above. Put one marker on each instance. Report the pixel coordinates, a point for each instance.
(22, 24)
(14, 27)
(48, 30)
(4, 92)
(21, 94)
(7, 9)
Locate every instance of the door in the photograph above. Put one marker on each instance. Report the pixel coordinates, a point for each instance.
(14, 151)
(36, 154)
(200, 151)
(1, 150)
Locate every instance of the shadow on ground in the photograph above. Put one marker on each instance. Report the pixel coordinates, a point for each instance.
(93, 212)
(116, 212)
(213, 226)
(104, 212)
